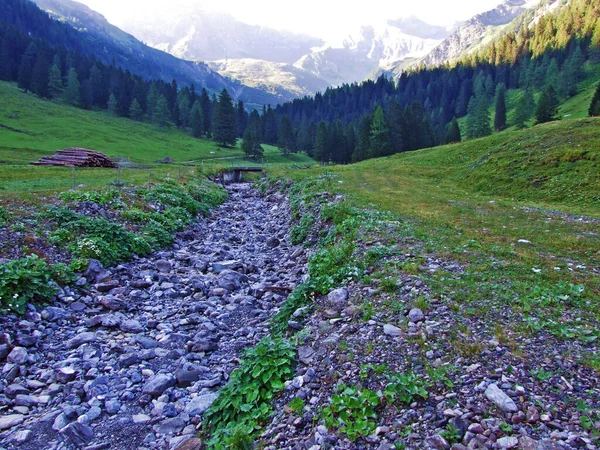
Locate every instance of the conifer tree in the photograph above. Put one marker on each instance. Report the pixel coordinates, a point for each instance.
(241, 119)
(321, 151)
(547, 109)
(594, 110)
(162, 114)
(112, 104)
(286, 139)
(6, 62)
(224, 126)
(151, 102)
(39, 76)
(135, 110)
(26, 67)
(55, 83)
(500, 117)
(252, 137)
(197, 119)
(183, 106)
(71, 94)
(452, 132)
(207, 112)
(380, 136)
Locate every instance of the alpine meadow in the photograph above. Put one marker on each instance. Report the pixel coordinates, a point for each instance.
(221, 233)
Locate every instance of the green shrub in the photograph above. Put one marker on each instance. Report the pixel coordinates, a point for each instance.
(299, 233)
(63, 274)
(4, 216)
(171, 195)
(330, 268)
(404, 388)
(156, 234)
(301, 296)
(25, 280)
(102, 197)
(245, 401)
(352, 412)
(60, 237)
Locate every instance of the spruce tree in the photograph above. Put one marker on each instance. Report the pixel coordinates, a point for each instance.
(500, 117)
(151, 102)
(183, 105)
(286, 141)
(452, 132)
(6, 62)
(207, 112)
(547, 109)
(26, 67)
(525, 108)
(224, 126)
(55, 83)
(321, 151)
(241, 118)
(363, 141)
(197, 119)
(135, 110)
(162, 115)
(39, 76)
(594, 110)
(112, 104)
(71, 94)
(380, 136)
(252, 137)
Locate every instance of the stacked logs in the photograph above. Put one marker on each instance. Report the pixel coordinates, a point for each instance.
(76, 157)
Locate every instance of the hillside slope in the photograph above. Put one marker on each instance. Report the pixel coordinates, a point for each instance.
(107, 43)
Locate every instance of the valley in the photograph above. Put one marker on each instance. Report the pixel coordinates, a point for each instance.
(413, 264)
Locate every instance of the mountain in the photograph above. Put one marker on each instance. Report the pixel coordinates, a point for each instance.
(487, 27)
(199, 35)
(283, 80)
(372, 48)
(107, 43)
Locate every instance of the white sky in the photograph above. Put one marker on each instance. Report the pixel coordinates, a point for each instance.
(321, 18)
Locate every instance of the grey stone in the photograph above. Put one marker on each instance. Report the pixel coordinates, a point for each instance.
(162, 265)
(200, 404)
(141, 418)
(18, 355)
(10, 420)
(112, 406)
(273, 242)
(20, 437)
(186, 377)
(338, 299)
(189, 443)
(392, 330)
(170, 426)
(507, 442)
(65, 374)
(131, 326)
(12, 390)
(82, 338)
(157, 384)
(78, 434)
(500, 399)
(416, 315)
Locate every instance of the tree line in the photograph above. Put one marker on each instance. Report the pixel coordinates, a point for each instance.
(420, 108)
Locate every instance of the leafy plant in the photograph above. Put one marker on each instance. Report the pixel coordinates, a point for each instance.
(352, 412)
(101, 197)
(541, 374)
(404, 388)
(297, 405)
(300, 232)
(245, 402)
(26, 280)
(4, 216)
(451, 434)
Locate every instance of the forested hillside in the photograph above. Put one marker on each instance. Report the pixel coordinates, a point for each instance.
(359, 121)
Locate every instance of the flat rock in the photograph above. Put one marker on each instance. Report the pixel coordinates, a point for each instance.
(189, 444)
(392, 330)
(500, 399)
(10, 420)
(82, 338)
(158, 384)
(416, 315)
(507, 442)
(200, 404)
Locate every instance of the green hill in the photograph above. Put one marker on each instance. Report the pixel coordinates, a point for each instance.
(48, 126)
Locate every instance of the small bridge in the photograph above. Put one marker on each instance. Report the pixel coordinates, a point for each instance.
(235, 174)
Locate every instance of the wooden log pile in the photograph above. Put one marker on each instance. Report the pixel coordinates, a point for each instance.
(76, 157)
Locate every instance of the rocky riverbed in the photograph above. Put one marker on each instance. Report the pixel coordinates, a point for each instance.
(133, 355)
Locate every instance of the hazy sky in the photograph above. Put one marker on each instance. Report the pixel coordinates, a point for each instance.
(321, 18)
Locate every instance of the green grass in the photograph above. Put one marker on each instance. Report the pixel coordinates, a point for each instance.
(51, 126)
(473, 202)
